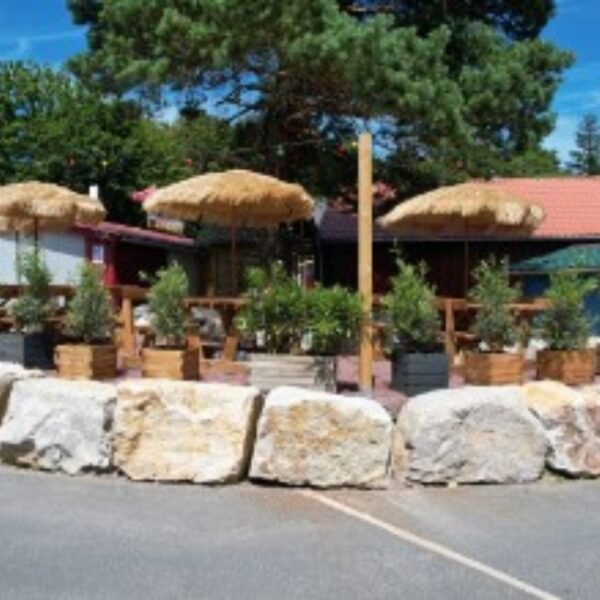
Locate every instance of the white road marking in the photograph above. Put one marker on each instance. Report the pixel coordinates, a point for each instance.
(430, 546)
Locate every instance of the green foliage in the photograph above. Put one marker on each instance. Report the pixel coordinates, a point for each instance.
(293, 320)
(166, 300)
(459, 89)
(52, 128)
(33, 306)
(411, 306)
(565, 325)
(585, 159)
(276, 307)
(494, 324)
(89, 316)
(333, 320)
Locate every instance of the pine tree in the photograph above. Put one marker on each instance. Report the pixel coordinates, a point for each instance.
(586, 157)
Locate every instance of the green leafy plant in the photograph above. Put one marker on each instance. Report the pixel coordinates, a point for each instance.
(494, 324)
(565, 325)
(411, 307)
(166, 300)
(31, 309)
(275, 307)
(89, 315)
(293, 320)
(334, 317)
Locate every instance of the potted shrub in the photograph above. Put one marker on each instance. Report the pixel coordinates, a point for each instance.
(169, 357)
(419, 363)
(295, 333)
(494, 327)
(566, 327)
(89, 324)
(30, 343)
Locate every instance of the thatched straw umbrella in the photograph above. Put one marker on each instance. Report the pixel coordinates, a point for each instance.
(462, 210)
(33, 207)
(234, 199)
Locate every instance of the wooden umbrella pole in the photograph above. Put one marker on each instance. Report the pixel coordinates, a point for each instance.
(466, 266)
(234, 266)
(35, 234)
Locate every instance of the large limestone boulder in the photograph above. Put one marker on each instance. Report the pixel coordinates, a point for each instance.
(58, 425)
(9, 373)
(184, 431)
(323, 440)
(469, 435)
(571, 421)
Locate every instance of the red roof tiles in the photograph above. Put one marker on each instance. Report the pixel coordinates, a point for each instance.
(572, 204)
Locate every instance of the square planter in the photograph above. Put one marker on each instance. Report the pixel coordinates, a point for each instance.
(491, 368)
(32, 350)
(573, 367)
(169, 363)
(82, 361)
(267, 371)
(415, 373)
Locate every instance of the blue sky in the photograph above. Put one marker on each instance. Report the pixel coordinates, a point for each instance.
(41, 30)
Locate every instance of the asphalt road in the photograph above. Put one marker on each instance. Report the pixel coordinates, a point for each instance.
(106, 538)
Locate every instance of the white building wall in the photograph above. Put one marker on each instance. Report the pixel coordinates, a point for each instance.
(62, 252)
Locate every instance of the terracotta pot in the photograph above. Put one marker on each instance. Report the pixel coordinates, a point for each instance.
(83, 361)
(171, 363)
(573, 367)
(493, 368)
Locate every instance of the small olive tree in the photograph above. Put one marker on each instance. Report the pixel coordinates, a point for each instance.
(410, 304)
(166, 301)
(565, 324)
(494, 323)
(89, 315)
(32, 307)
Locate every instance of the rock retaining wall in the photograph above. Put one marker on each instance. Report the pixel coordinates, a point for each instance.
(215, 433)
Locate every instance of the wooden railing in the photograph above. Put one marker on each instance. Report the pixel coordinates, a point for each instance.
(456, 314)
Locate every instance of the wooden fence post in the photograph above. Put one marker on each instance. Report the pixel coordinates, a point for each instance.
(365, 257)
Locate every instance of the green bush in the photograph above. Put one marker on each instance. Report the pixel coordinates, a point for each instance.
(565, 325)
(166, 300)
(32, 308)
(410, 304)
(494, 324)
(333, 320)
(276, 307)
(293, 320)
(89, 315)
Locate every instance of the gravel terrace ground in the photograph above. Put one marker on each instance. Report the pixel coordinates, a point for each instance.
(104, 537)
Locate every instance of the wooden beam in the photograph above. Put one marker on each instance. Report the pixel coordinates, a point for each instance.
(365, 257)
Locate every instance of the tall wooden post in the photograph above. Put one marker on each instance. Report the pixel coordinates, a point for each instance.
(365, 257)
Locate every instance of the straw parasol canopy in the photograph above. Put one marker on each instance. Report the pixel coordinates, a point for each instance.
(34, 206)
(233, 198)
(463, 209)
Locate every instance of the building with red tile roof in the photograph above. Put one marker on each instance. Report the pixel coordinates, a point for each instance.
(572, 206)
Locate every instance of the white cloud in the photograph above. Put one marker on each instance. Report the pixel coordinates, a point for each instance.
(21, 47)
(562, 139)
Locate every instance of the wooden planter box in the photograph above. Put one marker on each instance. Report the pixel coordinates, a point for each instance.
(32, 350)
(168, 363)
(267, 371)
(415, 373)
(493, 368)
(573, 367)
(82, 361)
